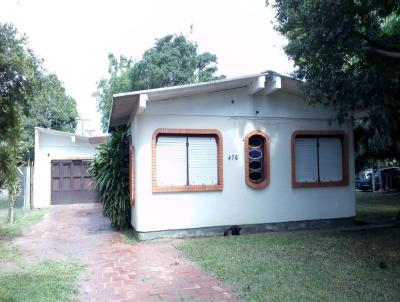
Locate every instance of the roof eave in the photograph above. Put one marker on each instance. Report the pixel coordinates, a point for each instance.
(126, 105)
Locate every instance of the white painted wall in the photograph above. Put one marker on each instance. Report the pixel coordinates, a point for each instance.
(279, 115)
(52, 146)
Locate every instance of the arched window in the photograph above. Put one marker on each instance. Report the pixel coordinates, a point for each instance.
(257, 159)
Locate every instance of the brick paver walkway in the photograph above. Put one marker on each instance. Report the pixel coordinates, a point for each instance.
(146, 271)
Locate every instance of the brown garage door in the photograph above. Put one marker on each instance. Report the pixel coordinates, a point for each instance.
(71, 182)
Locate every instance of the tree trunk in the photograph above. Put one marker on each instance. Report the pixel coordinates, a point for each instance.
(11, 210)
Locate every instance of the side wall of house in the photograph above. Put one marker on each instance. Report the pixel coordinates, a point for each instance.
(49, 147)
(235, 113)
(134, 134)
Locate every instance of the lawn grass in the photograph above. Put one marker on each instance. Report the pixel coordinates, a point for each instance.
(26, 281)
(46, 281)
(9, 231)
(378, 206)
(308, 266)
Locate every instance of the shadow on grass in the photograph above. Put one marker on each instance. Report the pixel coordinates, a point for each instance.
(377, 207)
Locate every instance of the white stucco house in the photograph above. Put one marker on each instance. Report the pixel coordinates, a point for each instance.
(60, 168)
(245, 151)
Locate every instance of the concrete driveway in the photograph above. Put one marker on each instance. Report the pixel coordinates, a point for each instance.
(146, 271)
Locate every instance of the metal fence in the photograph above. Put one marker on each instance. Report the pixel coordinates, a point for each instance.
(24, 198)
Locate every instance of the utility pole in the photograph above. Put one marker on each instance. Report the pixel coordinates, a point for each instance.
(380, 176)
(83, 120)
(373, 178)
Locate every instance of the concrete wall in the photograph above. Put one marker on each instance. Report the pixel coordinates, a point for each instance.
(235, 113)
(49, 147)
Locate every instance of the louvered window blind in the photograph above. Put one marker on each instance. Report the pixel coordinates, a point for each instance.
(186, 161)
(319, 159)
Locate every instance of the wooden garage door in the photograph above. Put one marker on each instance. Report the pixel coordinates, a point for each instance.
(71, 182)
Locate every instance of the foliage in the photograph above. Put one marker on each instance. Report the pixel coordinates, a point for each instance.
(348, 53)
(9, 162)
(173, 60)
(109, 171)
(29, 97)
(18, 69)
(118, 82)
(50, 107)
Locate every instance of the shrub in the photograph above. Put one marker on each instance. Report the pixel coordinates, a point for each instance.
(110, 176)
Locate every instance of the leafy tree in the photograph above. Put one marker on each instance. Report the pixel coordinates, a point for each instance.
(50, 107)
(109, 171)
(173, 60)
(348, 53)
(9, 163)
(28, 97)
(118, 81)
(18, 71)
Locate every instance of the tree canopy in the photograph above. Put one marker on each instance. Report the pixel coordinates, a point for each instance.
(29, 97)
(118, 81)
(348, 53)
(18, 71)
(50, 107)
(173, 60)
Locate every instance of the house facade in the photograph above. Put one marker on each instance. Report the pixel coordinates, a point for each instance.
(60, 168)
(246, 151)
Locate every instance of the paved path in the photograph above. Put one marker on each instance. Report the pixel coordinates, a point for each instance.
(146, 271)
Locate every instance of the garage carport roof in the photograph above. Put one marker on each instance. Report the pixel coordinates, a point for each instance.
(98, 139)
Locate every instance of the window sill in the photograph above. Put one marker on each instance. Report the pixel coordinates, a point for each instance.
(169, 189)
(257, 186)
(320, 184)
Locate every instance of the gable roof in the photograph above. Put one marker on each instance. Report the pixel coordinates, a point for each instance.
(126, 105)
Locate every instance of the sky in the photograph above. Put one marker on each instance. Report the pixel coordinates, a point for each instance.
(74, 37)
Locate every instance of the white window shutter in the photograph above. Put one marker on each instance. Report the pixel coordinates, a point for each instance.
(171, 161)
(330, 159)
(203, 161)
(306, 160)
